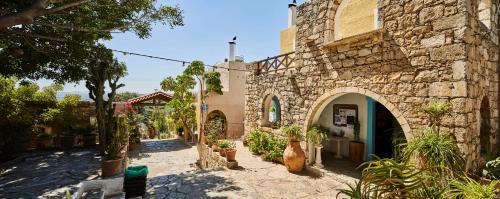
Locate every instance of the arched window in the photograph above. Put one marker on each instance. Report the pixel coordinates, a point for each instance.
(271, 113)
(354, 17)
(484, 12)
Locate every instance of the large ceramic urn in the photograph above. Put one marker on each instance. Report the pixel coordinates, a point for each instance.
(294, 157)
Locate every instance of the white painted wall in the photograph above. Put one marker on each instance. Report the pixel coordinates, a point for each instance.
(326, 120)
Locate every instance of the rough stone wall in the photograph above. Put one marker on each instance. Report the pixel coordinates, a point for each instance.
(421, 53)
(210, 159)
(481, 76)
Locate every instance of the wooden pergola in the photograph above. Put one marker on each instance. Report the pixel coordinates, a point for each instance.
(155, 99)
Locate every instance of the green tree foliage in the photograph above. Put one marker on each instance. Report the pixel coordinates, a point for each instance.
(125, 96)
(159, 118)
(20, 108)
(182, 103)
(49, 27)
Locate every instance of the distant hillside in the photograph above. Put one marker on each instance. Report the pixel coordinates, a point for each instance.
(85, 95)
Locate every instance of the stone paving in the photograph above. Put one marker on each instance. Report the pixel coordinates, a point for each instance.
(174, 176)
(48, 174)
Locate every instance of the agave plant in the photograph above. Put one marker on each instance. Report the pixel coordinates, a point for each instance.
(435, 151)
(387, 178)
(356, 190)
(471, 189)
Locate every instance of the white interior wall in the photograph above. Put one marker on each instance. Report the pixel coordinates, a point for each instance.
(326, 119)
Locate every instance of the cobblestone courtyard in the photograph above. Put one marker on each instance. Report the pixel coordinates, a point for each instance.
(172, 175)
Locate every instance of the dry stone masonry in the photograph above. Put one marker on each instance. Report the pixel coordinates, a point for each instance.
(423, 50)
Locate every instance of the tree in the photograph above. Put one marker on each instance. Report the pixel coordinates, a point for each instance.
(125, 96)
(33, 33)
(104, 69)
(22, 104)
(182, 103)
(208, 81)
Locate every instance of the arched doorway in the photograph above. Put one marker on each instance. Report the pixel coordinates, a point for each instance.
(217, 122)
(382, 127)
(271, 112)
(485, 128)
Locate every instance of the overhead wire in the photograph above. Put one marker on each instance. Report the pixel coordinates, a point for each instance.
(172, 60)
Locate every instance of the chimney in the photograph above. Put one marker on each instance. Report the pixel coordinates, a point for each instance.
(292, 14)
(232, 48)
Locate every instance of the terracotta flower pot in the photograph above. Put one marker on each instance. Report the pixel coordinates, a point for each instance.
(357, 151)
(294, 157)
(215, 148)
(231, 155)
(111, 167)
(67, 142)
(89, 140)
(222, 152)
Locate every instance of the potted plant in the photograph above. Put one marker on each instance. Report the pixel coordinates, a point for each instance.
(272, 114)
(294, 157)
(318, 136)
(112, 163)
(211, 139)
(356, 147)
(230, 149)
(134, 138)
(223, 145)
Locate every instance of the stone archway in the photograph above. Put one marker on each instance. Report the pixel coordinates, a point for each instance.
(218, 120)
(320, 104)
(322, 101)
(485, 130)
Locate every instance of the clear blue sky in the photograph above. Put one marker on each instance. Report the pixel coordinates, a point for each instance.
(209, 25)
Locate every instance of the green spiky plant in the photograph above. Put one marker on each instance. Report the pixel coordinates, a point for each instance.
(356, 190)
(435, 151)
(294, 133)
(471, 189)
(387, 178)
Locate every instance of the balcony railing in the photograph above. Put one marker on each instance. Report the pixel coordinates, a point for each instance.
(280, 62)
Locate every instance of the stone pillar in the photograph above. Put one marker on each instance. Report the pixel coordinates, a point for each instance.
(318, 158)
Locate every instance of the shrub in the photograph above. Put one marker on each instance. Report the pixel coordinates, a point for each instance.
(257, 140)
(435, 150)
(294, 132)
(274, 148)
(492, 170)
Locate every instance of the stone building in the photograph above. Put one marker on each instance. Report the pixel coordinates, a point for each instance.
(230, 106)
(378, 61)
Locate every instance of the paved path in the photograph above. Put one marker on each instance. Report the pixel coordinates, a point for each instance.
(173, 176)
(48, 174)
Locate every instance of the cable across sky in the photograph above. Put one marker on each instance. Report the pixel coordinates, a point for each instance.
(169, 59)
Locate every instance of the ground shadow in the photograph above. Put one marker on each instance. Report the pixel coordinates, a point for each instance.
(146, 147)
(193, 184)
(42, 174)
(340, 166)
